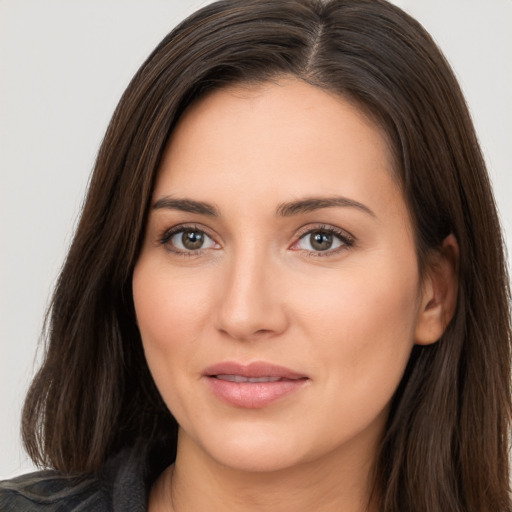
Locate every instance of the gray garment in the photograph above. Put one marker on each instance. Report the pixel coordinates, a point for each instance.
(122, 485)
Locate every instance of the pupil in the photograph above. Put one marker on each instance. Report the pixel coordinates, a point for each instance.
(321, 241)
(192, 239)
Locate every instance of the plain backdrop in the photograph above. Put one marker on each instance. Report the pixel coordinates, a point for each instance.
(64, 65)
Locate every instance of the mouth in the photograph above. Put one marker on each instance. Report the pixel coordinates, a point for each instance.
(241, 378)
(252, 386)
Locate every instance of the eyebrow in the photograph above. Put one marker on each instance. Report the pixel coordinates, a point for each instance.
(287, 209)
(186, 205)
(317, 203)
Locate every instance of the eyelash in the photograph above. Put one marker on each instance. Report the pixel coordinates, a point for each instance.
(167, 235)
(345, 238)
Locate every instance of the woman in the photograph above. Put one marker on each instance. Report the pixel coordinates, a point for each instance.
(287, 289)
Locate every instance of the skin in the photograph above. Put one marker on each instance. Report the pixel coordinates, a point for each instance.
(346, 317)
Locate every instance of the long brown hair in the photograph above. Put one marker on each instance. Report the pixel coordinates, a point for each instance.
(446, 443)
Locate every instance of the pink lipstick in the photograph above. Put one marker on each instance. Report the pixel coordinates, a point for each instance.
(254, 385)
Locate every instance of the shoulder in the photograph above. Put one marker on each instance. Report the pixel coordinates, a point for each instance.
(122, 484)
(51, 491)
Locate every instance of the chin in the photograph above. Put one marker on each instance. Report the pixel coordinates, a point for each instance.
(253, 448)
(256, 458)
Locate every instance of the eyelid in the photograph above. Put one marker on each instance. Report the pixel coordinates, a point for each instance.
(347, 239)
(166, 235)
(343, 233)
(344, 236)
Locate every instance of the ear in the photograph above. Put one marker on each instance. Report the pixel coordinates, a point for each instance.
(439, 294)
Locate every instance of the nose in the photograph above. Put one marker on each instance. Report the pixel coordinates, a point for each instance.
(250, 300)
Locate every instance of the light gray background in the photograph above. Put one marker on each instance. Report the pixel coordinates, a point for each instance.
(64, 65)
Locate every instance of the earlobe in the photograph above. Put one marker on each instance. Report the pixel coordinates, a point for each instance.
(439, 297)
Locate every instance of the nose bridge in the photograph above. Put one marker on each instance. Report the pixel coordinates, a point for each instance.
(249, 305)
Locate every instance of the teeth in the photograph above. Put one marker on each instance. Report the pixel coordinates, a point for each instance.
(240, 378)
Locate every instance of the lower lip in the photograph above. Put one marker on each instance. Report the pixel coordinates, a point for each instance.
(253, 395)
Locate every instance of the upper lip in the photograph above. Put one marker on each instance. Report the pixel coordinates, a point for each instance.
(255, 369)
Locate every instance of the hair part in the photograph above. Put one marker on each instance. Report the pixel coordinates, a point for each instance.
(447, 440)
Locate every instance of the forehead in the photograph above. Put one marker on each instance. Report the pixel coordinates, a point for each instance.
(284, 138)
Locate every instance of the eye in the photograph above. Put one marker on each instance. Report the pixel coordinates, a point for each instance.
(187, 240)
(323, 240)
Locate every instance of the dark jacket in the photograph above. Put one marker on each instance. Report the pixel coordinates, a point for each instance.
(122, 485)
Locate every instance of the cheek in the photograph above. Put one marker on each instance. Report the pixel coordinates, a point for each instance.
(167, 307)
(363, 322)
(171, 316)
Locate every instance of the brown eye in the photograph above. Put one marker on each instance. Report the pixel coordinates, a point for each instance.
(320, 240)
(188, 240)
(323, 240)
(192, 240)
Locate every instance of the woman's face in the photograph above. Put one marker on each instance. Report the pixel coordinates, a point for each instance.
(277, 292)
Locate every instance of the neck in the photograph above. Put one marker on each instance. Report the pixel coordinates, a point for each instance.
(337, 482)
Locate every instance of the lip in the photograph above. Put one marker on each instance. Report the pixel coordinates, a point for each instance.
(252, 395)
